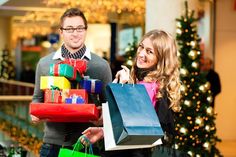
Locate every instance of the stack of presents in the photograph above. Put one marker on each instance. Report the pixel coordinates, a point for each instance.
(61, 102)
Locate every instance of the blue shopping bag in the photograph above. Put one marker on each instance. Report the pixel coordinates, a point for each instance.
(133, 117)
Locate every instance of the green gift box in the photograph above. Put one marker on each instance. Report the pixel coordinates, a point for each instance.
(64, 70)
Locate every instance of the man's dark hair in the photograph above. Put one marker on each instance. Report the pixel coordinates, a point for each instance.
(71, 13)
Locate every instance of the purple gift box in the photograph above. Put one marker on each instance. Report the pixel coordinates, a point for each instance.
(91, 85)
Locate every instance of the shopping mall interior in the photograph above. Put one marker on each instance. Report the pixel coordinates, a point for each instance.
(30, 30)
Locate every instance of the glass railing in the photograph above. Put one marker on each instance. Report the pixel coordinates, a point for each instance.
(15, 121)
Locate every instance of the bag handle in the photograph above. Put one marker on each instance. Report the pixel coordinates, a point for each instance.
(78, 145)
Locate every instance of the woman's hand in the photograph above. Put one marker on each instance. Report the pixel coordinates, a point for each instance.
(93, 134)
(123, 75)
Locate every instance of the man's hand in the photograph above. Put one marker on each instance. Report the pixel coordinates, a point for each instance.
(35, 119)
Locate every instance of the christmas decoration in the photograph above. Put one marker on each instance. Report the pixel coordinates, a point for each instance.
(130, 51)
(25, 139)
(195, 123)
(7, 69)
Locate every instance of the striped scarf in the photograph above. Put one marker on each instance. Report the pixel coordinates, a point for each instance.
(67, 54)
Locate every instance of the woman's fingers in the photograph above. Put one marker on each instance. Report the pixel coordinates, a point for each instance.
(125, 68)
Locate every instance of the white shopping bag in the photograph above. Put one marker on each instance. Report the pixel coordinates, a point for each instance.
(109, 136)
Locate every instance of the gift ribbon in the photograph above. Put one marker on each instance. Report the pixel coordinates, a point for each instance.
(74, 98)
(79, 64)
(53, 88)
(56, 69)
(74, 74)
(93, 86)
(50, 81)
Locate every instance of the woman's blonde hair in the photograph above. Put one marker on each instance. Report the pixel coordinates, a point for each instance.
(167, 67)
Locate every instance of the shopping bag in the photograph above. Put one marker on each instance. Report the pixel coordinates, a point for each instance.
(109, 139)
(64, 152)
(133, 117)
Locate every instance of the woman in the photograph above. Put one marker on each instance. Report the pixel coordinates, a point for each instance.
(156, 63)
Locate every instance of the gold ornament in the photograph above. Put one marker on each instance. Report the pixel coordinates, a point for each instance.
(187, 103)
(209, 99)
(209, 110)
(129, 62)
(178, 24)
(178, 54)
(176, 146)
(195, 65)
(193, 43)
(190, 153)
(183, 130)
(183, 72)
(206, 145)
(183, 88)
(202, 88)
(199, 121)
(178, 31)
(192, 54)
(207, 85)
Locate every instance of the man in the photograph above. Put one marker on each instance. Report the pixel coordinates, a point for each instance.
(73, 31)
(213, 77)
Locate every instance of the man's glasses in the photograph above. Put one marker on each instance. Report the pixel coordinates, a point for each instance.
(71, 29)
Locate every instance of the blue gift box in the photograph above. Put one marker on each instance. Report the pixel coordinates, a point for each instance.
(74, 100)
(91, 85)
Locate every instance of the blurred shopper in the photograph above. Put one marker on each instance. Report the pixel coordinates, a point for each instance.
(213, 77)
(27, 74)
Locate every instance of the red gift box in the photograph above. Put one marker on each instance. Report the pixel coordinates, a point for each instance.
(78, 92)
(64, 112)
(52, 96)
(79, 64)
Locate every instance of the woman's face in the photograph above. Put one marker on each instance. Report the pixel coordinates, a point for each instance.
(146, 56)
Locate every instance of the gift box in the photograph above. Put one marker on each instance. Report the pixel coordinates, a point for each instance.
(51, 95)
(65, 113)
(91, 85)
(67, 93)
(79, 64)
(74, 100)
(65, 70)
(59, 81)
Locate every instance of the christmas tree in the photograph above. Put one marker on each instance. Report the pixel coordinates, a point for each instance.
(130, 51)
(7, 69)
(195, 123)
